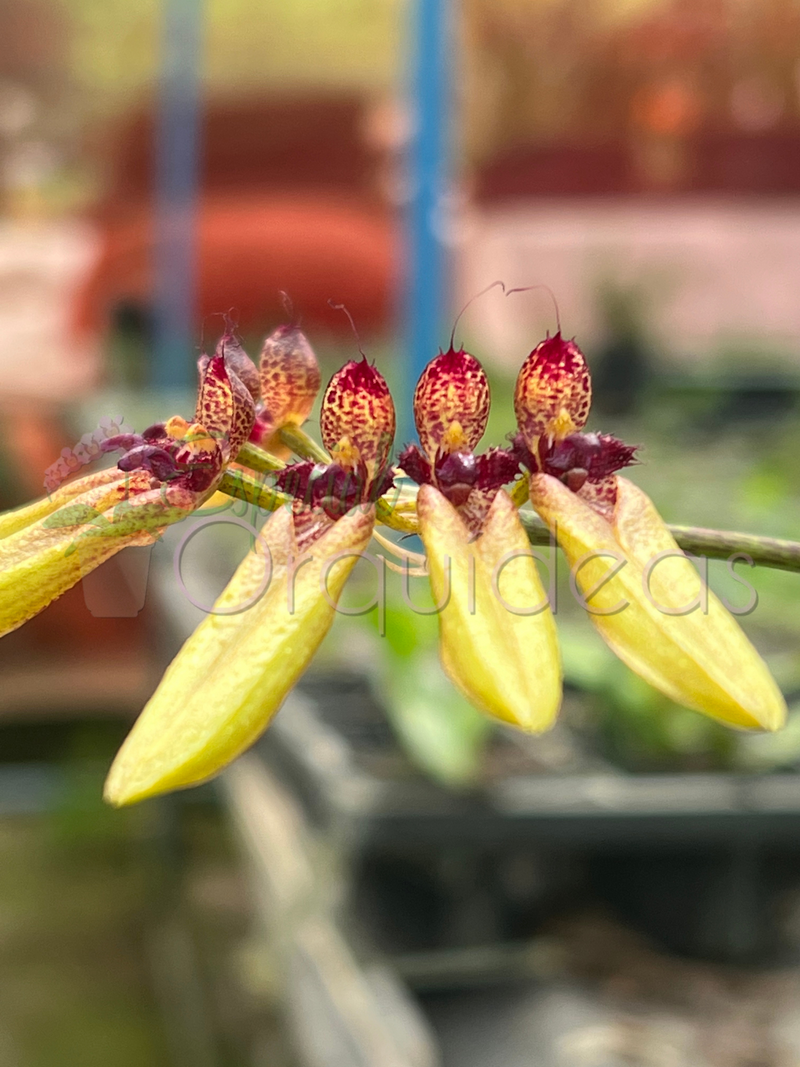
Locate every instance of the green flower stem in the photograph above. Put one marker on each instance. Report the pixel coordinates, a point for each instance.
(242, 487)
(257, 459)
(721, 544)
(386, 514)
(697, 541)
(302, 445)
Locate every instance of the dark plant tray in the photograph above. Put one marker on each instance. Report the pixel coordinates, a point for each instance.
(334, 744)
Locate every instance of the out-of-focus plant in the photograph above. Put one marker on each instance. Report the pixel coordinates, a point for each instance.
(440, 731)
(497, 635)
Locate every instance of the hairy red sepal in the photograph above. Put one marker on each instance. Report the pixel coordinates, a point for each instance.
(290, 379)
(553, 393)
(357, 420)
(451, 403)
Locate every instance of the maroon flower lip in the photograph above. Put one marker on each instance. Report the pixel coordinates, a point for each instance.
(577, 458)
(193, 455)
(457, 474)
(331, 487)
(168, 459)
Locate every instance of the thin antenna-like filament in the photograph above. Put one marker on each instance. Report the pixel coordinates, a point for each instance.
(471, 300)
(541, 285)
(417, 559)
(288, 306)
(341, 307)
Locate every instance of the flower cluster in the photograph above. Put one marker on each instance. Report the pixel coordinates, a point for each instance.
(235, 670)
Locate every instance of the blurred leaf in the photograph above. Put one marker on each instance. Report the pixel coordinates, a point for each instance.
(440, 731)
(588, 663)
(766, 487)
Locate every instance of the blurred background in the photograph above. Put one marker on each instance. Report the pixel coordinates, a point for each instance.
(387, 880)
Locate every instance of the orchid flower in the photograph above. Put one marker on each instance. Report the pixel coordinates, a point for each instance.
(289, 383)
(234, 672)
(643, 594)
(503, 659)
(164, 475)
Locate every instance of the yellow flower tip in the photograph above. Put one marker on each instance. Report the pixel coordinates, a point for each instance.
(502, 657)
(649, 604)
(232, 675)
(121, 791)
(218, 501)
(197, 441)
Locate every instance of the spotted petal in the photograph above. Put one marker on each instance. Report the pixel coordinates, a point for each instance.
(290, 377)
(225, 407)
(357, 418)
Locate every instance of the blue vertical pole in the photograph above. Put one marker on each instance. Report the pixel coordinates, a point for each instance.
(428, 175)
(176, 185)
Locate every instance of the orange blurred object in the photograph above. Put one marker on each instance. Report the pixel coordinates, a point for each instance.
(289, 200)
(248, 249)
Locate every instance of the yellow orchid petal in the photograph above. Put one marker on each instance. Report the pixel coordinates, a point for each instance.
(654, 612)
(507, 663)
(218, 501)
(231, 676)
(13, 521)
(47, 557)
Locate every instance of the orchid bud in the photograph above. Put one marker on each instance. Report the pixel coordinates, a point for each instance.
(451, 403)
(357, 420)
(290, 377)
(553, 392)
